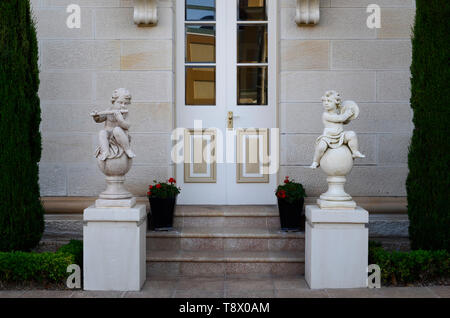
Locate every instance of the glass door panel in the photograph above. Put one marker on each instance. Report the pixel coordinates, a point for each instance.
(252, 43)
(197, 10)
(252, 85)
(251, 10)
(200, 43)
(200, 85)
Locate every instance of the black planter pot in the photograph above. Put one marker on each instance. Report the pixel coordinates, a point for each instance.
(161, 213)
(291, 215)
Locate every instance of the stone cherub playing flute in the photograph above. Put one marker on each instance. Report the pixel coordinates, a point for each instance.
(336, 115)
(114, 140)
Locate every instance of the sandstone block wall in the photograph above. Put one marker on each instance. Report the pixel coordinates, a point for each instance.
(81, 67)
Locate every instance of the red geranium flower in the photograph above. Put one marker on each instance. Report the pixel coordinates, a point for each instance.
(151, 187)
(149, 193)
(158, 186)
(290, 190)
(172, 180)
(281, 194)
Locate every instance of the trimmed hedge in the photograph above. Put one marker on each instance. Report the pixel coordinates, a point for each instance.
(21, 212)
(409, 267)
(428, 182)
(74, 248)
(40, 267)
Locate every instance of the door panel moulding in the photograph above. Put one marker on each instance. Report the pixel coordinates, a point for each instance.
(307, 12)
(145, 12)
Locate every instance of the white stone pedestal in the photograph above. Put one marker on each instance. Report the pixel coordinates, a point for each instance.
(114, 248)
(336, 248)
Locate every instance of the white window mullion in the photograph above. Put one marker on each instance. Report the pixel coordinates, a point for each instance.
(232, 54)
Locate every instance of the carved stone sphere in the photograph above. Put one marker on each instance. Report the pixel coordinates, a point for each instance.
(115, 167)
(337, 162)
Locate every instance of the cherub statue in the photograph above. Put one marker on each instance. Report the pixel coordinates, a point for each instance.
(334, 118)
(114, 140)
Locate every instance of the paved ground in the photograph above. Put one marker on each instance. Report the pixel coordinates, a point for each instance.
(239, 287)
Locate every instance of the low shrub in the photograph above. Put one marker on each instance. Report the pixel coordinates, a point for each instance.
(74, 248)
(404, 268)
(40, 267)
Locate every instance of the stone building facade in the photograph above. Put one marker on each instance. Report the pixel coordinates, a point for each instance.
(81, 67)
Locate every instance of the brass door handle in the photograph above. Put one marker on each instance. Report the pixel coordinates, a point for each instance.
(230, 120)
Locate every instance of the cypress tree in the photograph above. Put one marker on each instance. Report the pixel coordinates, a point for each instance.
(428, 182)
(21, 212)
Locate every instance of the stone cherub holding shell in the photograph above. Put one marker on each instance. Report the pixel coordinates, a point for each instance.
(336, 150)
(336, 115)
(114, 139)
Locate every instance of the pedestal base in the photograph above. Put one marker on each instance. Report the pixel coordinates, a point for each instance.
(120, 203)
(336, 205)
(336, 248)
(114, 248)
(115, 189)
(336, 197)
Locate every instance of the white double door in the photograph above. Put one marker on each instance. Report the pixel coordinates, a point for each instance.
(226, 103)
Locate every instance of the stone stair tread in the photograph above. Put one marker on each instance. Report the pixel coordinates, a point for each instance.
(231, 210)
(226, 256)
(225, 232)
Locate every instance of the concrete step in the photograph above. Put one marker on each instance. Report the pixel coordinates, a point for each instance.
(263, 216)
(226, 239)
(70, 226)
(220, 263)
